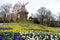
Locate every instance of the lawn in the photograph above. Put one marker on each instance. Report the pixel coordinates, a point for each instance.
(27, 27)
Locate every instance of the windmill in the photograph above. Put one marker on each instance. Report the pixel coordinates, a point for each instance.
(23, 6)
(23, 12)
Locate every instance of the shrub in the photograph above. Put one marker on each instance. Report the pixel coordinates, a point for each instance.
(35, 20)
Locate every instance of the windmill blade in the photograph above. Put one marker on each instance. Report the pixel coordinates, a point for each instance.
(23, 3)
(20, 3)
(26, 3)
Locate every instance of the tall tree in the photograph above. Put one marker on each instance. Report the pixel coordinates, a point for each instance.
(44, 15)
(42, 12)
(5, 8)
(59, 18)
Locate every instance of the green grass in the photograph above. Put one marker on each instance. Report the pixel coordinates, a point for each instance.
(25, 22)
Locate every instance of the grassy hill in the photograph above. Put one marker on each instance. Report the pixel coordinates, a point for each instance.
(27, 26)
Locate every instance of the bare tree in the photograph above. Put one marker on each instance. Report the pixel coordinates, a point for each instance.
(42, 12)
(49, 17)
(59, 18)
(5, 8)
(44, 15)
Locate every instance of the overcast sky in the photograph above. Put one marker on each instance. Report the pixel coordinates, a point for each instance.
(33, 5)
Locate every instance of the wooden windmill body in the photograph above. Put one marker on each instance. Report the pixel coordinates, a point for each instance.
(22, 12)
